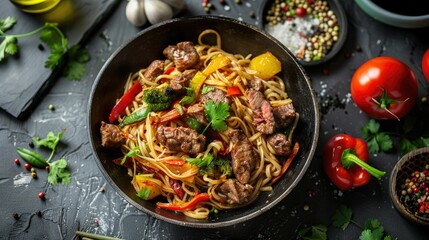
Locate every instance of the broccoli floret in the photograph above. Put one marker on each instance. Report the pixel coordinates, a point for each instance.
(218, 167)
(157, 99)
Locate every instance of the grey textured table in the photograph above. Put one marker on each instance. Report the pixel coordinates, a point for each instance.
(80, 205)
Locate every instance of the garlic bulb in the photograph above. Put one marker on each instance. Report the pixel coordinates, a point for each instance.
(157, 11)
(138, 12)
(135, 12)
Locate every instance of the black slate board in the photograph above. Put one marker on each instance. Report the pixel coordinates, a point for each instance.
(23, 78)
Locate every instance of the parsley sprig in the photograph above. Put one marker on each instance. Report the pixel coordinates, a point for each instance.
(58, 170)
(342, 218)
(216, 114)
(381, 141)
(52, 36)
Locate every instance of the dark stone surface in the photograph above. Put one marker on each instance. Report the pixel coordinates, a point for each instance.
(81, 205)
(23, 77)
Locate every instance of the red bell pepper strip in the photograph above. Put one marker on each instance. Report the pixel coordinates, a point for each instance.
(287, 162)
(233, 91)
(198, 198)
(169, 70)
(175, 162)
(170, 115)
(344, 161)
(125, 100)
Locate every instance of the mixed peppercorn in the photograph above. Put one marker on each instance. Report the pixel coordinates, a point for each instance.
(415, 192)
(324, 30)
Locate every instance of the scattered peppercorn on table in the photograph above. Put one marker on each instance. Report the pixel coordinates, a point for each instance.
(34, 209)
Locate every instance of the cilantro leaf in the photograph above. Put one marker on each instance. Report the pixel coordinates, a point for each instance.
(57, 53)
(377, 141)
(207, 89)
(342, 217)
(318, 232)
(375, 226)
(8, 46)
(216, 114)
(406, 146)
(7, 23)
(51, 141)
(58, 172)
(52, 36)
(366, 235)
(74, 70)
(132, 153)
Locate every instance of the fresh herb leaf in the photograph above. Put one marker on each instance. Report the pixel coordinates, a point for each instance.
(7, 23)
(366, 235)
(342, 217)
(77, 57)
(216, 114)
(132, 153)
(376, 141)
(318, 232)
(52, 36)
(51, 141)
(58, 172)
(374, 225)
(190, 96)
(201, 162)
(207, 89)
(406, 146)
(8, 46)
(144, 193)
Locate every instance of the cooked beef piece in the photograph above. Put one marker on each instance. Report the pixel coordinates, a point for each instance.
(233, 192)
(280, 144)
(155, 69)
(181, 139)
(182, 80)
(243, 156)
(197, 111)
(284, 115)
(184, 55)
(263, 118)
(256, 84)
(216, 95)
(111, 135)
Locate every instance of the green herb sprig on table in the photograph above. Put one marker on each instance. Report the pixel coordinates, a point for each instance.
(342, 218)
(58, 170)
(379, 141)
(53, 37)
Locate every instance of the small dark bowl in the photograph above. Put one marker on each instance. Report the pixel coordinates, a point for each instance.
(402, 20)
(237, 37)
(337, 8)
(413, 161)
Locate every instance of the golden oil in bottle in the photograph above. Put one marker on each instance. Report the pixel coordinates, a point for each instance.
(35, 6)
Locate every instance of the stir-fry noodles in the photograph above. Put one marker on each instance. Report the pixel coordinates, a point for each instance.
(203, 129)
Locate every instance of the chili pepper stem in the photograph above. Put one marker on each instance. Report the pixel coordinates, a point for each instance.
(348, 158)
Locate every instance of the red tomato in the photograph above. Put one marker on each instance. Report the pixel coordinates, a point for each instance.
(384, 88)
(425, 65)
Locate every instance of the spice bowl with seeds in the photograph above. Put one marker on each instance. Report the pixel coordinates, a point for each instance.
(409, 186)
(313, 30)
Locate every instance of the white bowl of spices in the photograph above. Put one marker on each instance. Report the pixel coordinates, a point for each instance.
(313, 30)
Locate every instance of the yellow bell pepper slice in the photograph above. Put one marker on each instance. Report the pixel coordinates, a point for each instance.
(266, 65)
(146, 186)
(197, 81)
(217, 62)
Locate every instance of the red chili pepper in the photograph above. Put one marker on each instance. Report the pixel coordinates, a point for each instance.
(287, 162)
(345, 160)
(198, 198)
(125, 100)
(175, 162)
(177, 187)
(233, 91)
